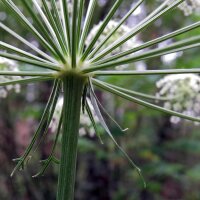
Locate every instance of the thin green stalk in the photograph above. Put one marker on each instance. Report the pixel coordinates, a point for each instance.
(28, 5)
(8, 47)
(43, 29)
(21, 18)
(79, 22)
(54, 26)
(152, 42)
(46, 21)
(27, 43)
(135, 31)
(87, 23)
(21, 161)
(102, 27)
(165, 4)
(27, 73)
(74, 34)
(121, 22)
(136, 94)
(175, 47)
(104, 125)
(56, 14)
(143, 103)
(30, 61)
(51, 157)
(26, 81)
(49, 119)
(66, 22)
(73, 85)
(101, 107)
(90, 114)
(147, 72)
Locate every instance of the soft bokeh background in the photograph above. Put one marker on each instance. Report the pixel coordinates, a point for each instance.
(168, 154)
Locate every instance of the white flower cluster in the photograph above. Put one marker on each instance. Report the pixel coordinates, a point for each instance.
(8, 65)
(182, 92)
(189, 6)
(123, 29)
(86, 127)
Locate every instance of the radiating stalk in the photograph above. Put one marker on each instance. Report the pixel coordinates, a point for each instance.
(21, 161)
(87, 23)
(24, 81)
(56, 14)
(16, 50)
(81, 4)
(28, 73)
(102, 27)
(21, 18)
(30, 61)
(151, 42)
(73, 33)
(73, 85)
(137, 94)
(46, 21)
(113, 31)
(147, 72)
(175, 47)
(66, 22)
(27, 43)
(134, 31)
(156, 11)
(142, 102)
(55, 28)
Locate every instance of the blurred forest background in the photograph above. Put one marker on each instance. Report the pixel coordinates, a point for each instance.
(168, 154)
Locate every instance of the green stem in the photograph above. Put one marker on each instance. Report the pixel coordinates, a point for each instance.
(73, 85)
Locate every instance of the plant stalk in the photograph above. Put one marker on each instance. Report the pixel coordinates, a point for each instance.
(73, 85)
